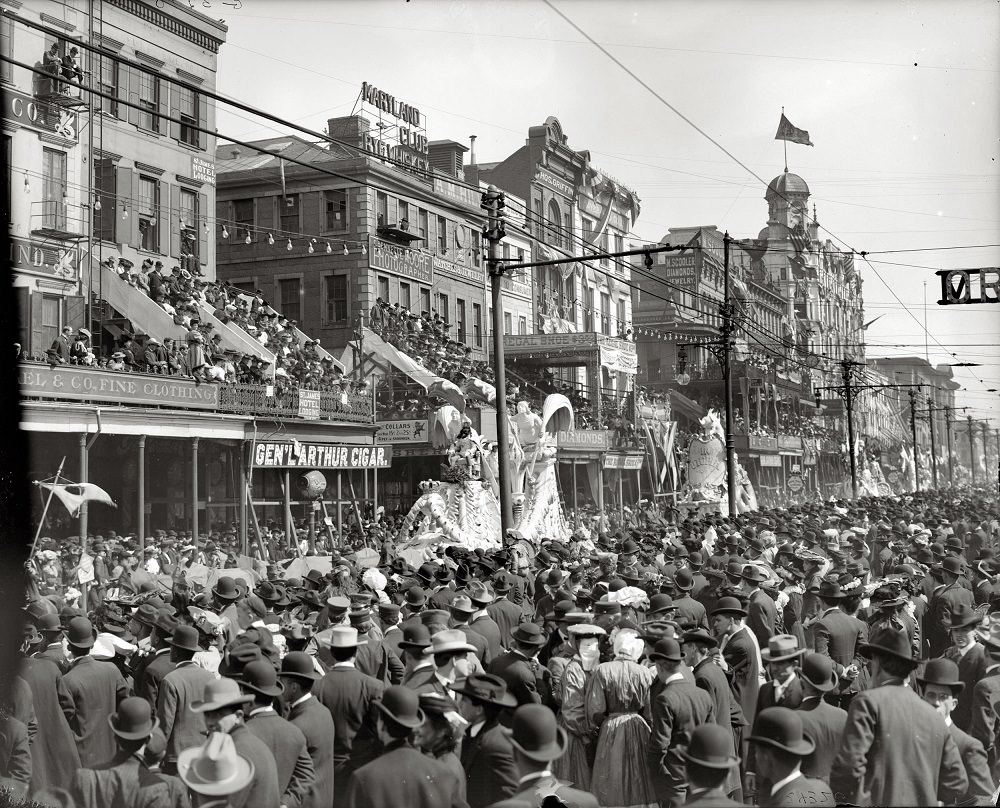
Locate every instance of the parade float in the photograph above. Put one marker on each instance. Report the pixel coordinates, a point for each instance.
(462, 508)
(704, 490)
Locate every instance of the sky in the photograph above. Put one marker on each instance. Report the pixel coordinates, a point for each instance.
(680, 101)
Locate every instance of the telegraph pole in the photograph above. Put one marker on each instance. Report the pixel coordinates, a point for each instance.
(972, 450)
(947, 431)
(845, 373)
(727, 330)
(930, 421)
(913, 429)
(493, 203)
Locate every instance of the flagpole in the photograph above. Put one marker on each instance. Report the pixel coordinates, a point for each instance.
(785, 142)
(45, 510)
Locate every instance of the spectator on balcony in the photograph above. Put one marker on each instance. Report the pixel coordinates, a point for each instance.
(71, 69)
(133, 355)
(62, 347)
(117, 361)
(197, 361)
(52, 64)
(81, 353)
(155, 356)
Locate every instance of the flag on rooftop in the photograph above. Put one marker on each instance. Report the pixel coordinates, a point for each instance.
(788, 132)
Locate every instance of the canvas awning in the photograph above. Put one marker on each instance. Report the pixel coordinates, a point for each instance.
(683, 405)
(432, 383)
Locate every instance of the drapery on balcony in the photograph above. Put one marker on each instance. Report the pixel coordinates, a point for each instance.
(251, 399)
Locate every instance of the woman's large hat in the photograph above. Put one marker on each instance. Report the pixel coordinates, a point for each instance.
(535, 734)
(214, 769)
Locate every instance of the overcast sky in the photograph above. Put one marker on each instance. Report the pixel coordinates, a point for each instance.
(902, 101)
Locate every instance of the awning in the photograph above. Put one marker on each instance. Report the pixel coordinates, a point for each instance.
(685, 406)
(432, 383)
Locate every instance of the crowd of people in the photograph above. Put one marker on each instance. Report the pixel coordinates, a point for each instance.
(830, 653)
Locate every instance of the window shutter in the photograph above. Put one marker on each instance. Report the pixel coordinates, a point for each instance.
(202, 120)
(174, 247)
(173, 127)
(164, 97)
(6, 34)
(313, 209)
(167, 224)
(133, 214)
(75, 312)
(131, 92)
(123, 191)
(104, 180)
(24, 318)
(36, 346)
(203, 232)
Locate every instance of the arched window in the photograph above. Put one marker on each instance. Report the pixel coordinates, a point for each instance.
(555, 234)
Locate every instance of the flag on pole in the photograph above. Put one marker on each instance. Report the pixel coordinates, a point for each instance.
(693, 244)
(73, 495)
(788, 132)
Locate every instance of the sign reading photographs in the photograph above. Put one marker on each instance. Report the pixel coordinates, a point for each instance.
(271, 455)
(404, 142)
(391, 257)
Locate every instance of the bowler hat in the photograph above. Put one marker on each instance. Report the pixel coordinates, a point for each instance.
(260, 677)
(215, 769)
(81, 633)
(753, 573)
(817, 670)
(225, 589)
(145, 614)
(684, 580)
(300, 665)
(486, 688)
(185, 637)
(49, 624)
(943, 672)
(953, 565)
(781, 647)
(889, 641)
(529, 634)
(401, 705)
(711, 746)
(781, 728)
(660, 603)
(434, 617)
(699, 637)
(729, 605)
(964, 616)
(666, 649)
(416, 637)
(415, 596)
(134, 719)
(535, 734)
(829, 589)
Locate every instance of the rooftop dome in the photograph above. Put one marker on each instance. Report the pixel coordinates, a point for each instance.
(786, 183)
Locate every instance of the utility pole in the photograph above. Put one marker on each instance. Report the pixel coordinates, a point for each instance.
(972, 450)
(947, 431)
(916, 449)
(727, 331)
(846, 366)
(930, 421)
(493, 203)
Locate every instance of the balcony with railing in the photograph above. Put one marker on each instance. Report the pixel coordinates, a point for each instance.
(58, 219)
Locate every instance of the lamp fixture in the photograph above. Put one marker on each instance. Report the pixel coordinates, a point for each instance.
(289, 245)
(247, 239)
(124, 211)
(329, 249)
(225, 233)
(270, 239)
(27, 184)
(97, 203)
(364, 249)
(346, 251)
(311, 248)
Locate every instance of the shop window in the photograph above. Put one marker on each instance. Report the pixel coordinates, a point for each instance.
(383, 288)
(522, 325)
(148, 211)
(148, 100)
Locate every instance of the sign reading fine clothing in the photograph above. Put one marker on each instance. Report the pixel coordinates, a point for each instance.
(269, 455)
(93, 385)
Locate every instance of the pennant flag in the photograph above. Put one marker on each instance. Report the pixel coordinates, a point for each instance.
(74, 495)
(788, 132)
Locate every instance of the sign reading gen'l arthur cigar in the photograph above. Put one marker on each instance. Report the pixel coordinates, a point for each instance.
(272, 455)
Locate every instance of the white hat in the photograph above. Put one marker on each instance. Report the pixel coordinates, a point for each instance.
(345, 637)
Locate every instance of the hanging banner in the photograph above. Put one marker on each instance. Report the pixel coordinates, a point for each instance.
(621, 361)
(309, 404)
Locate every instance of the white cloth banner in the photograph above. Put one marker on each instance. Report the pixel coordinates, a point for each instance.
(617, 359)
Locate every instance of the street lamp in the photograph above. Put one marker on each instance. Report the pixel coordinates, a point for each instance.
(682, 377)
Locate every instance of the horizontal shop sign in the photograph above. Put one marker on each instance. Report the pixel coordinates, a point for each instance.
(623, 462)
(272, 455)
(584, 439)
(402, 431)
(66, 382)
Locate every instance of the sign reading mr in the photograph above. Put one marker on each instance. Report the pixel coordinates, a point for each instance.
(956, 285)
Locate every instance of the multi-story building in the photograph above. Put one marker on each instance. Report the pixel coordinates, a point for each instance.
(110, 149)
(581, 341)
(799, 311)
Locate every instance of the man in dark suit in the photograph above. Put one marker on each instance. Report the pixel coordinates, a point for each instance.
(941, 686)
(780, 747)
(63, 345)
(528, 641)
(159, 663)
(460, 610)
(838, 635)
(54, 756)
(315, 722)
(286, 741)
(970, 657)
(401, 775)
(822, 722)
(697, 647)
(739, 655)
(711, 764)
(688, 611)
(984, 722)
(505, 614)
(486, 753)
(222, 707)
(51, 630)
(392, 632)
(676, 707)
(882, 759)
(348, 694)
(762, 614)
(945, 598)
(419, 668)
(536, 741)
(179, 689)
(95, 689)
(375, 657)
(481, 621)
